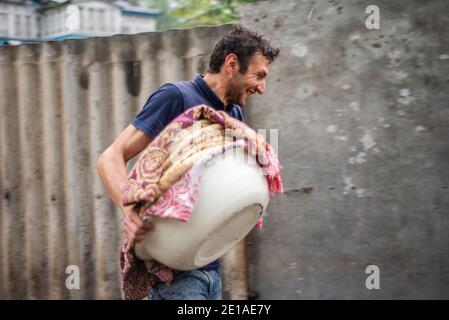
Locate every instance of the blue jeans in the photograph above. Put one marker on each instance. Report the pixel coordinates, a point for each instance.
(190, 285)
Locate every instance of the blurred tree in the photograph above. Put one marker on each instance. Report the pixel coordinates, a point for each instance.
(134, 2)
(190, 13)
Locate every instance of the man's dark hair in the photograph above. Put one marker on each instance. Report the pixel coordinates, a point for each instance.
(244, 43)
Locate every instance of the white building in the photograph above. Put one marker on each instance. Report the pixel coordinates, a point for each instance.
(25, 21)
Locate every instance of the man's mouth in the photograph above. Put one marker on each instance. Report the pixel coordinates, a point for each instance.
(247, 94)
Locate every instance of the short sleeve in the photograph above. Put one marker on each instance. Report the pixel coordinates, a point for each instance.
(161, 108)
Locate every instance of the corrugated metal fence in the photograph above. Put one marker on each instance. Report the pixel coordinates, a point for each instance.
(61, 105)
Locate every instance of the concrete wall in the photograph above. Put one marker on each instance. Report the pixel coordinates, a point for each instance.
(363, 119)
(61, 105)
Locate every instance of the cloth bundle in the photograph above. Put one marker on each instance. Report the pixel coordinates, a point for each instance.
(165, 180)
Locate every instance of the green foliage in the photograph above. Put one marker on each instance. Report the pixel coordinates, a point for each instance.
(190, 13)
(134, 2)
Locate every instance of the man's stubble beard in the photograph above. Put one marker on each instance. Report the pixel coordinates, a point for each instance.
(235, 93)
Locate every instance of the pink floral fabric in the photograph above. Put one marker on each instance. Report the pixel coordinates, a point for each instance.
(164, 182)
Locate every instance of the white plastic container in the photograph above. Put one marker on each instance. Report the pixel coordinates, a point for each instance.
(233, 194)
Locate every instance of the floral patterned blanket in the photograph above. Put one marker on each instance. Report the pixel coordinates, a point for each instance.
(164, 181)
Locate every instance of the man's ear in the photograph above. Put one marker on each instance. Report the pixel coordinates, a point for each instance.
(231, 64)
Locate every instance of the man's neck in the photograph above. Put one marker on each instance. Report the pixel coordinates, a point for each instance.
(216, 82)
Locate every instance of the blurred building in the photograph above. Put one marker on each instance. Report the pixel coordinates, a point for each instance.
(33, 21)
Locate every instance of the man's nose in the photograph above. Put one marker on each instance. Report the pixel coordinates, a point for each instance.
(260, 88)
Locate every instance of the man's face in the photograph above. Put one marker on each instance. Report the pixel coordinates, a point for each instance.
(241, 86)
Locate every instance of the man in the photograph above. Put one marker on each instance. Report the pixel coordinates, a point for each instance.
(238, 68)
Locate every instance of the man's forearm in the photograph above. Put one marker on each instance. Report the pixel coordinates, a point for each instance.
(112, 171)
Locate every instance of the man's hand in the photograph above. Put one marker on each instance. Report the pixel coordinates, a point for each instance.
(135, 228)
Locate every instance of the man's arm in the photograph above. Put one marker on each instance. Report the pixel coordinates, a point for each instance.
(111, 167)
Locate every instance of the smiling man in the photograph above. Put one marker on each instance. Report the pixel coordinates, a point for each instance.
(238, 68)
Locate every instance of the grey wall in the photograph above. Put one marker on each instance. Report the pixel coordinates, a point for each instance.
(363, 119)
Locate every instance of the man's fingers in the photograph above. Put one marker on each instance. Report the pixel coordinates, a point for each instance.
(139, 238)
(135, 218)
(128, 232)
(130, 224)
(135, 238)
(138, 221)
(134, 232)
(148, 225)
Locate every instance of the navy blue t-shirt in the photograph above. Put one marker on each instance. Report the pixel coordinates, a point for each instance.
(171, 100)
